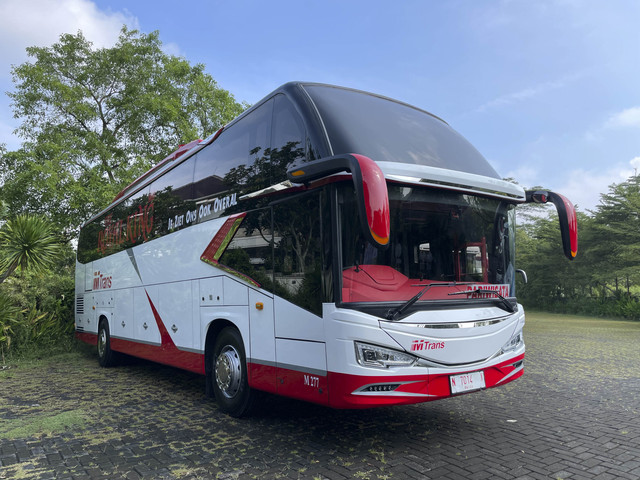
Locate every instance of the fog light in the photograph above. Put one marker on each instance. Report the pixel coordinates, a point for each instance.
(381, 388)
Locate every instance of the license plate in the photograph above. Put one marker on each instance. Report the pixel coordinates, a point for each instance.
(466, 382)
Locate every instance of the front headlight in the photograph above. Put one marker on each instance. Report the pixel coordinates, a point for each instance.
(380, 357)
(514, 343)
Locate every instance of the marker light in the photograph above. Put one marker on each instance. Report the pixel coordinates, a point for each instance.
(514, 343)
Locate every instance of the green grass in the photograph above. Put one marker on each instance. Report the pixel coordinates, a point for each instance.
(585, 346)
(42, 424)
(38, 353)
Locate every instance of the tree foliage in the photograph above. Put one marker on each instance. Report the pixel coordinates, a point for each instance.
(604, 278)
(28, 242)
(93, 119)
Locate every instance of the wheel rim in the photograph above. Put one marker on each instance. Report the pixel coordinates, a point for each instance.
(102, 342)
(228, 371)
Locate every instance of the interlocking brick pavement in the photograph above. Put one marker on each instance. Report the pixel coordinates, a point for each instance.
(574, 415)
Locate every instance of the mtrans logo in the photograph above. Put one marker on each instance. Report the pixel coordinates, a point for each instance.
(417, 345)
(100, 281)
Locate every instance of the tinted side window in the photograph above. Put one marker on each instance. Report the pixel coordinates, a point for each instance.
(225, 164)
(250, 252)
(288, 138)
(178, 181)
(298, 264)
(172, 196)
(129, 223)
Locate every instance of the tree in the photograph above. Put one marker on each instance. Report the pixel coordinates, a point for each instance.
(28, 242)
(95, 119)
(616, 228)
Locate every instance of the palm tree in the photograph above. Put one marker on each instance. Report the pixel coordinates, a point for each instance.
(28, 242)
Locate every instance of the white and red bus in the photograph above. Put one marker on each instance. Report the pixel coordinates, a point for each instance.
(329, 245)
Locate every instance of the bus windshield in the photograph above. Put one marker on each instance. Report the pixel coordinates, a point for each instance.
(456, 242)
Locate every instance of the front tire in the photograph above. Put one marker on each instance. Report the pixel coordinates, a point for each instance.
(106, 357)
(229, 374)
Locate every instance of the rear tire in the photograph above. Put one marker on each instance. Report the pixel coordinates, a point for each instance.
(106, 357)
(229, 374)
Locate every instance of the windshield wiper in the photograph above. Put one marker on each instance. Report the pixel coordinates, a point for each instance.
(504, 303)
(394, 314)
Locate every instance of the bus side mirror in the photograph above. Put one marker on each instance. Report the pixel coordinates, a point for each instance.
(566, 215)
(525, 279)
(372, 197)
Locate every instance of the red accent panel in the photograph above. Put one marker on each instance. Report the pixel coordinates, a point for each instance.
(289, 383)
(376, 199)
(165, 338)
(437, 386)
(303, 386)
(167, 353)
(262, 377)
(191, 361)
(90, 338)
(219, 244)
(573, 224)
(221, 240)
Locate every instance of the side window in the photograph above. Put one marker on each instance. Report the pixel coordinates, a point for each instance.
(298, 267)
(231, 161)
(172, 196)
(177, 181)
(250, 252)
(139, 219)
(288, 138)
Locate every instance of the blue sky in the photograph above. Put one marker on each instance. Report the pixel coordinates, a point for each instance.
(547, 90)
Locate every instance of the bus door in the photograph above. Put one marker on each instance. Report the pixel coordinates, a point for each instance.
(299, 329)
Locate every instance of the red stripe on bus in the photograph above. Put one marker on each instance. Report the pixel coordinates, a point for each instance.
(90, 338)
(191, 361)
(418, 388)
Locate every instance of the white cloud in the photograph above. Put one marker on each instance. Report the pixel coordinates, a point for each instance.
(584, 187)
(525, 175)
(41, 22)
(530, 92)
(6, 134)
(629, 117)
(172, 49)
(28, 23)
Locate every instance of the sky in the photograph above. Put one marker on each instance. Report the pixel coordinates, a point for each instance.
(547, 90)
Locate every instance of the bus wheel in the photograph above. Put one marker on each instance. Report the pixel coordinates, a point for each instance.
(106, 356)
(229, 373)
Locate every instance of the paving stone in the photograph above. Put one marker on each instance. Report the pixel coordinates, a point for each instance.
(573, 422)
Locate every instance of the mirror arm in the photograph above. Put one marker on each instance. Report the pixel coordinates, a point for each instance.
(372, 197)
(566, 215)
(524, 275)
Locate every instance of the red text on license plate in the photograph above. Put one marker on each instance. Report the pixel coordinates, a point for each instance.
(466, 382)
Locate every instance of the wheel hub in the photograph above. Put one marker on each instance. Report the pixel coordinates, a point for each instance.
(102, 342)
(228, 371)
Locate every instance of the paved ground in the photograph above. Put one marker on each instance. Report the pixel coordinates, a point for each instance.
(575, 414)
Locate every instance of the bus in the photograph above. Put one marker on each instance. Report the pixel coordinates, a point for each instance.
(329, 245)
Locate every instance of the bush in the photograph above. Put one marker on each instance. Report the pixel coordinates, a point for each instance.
(36, 312)
(9, 318)
(622, 306)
